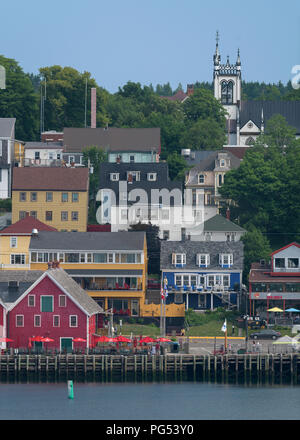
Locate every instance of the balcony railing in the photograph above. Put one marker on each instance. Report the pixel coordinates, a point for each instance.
(42, 162)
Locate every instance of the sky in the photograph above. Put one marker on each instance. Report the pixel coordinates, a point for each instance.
(153, 41)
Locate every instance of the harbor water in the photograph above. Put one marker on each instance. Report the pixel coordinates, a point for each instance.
(186, 400)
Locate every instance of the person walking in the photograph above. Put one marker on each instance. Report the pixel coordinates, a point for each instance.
(232, 329)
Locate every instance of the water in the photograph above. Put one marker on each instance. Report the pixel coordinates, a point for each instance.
(149, 401)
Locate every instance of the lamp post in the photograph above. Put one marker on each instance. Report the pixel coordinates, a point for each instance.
(246, 329)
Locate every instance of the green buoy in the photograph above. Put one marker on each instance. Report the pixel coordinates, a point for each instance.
(70, 389)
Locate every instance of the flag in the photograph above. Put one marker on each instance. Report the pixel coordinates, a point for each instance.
(166, 293)
(162, 293)
(224, 327)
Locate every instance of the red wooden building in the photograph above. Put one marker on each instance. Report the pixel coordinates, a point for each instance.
(54, 306)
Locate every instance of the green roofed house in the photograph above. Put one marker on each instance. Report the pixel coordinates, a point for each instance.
(217, 228)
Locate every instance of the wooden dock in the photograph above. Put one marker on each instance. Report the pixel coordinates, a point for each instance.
(230, 367)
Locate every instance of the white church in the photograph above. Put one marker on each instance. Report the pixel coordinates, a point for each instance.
(246, 119)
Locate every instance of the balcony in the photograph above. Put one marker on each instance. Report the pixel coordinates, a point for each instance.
(42, 162)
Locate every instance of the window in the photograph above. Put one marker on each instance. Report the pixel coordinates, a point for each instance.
(100, 258)
(114, 177)
(74, 216)
(31, 300)
(178, 259)
(226, 259)
(0, 148)
(71, 159)
(71, 257)
(13, 242)
(22, 214)
(64, 216)
(110, 258)
(293, 263)
(75, 197)
(166, 235)
(17, 259)
(133, 176)
(22, 196)
(37, 320)
(19, 320)
(62, 300)
(82, 258)
(178, 298)
(151, 177)
(51, 156)
(280, 262)
(131, 159)
(64, 197)
(226, 280)
(36, 155)
(46, 303)
(49, 216)
(33, 196)
(227, 92)
(222, 163)
(58, 156)
(73, 320)
(250, 141)
(49, 196)
(33, 214)
(56, 321)
(203, 260)
(201, 178)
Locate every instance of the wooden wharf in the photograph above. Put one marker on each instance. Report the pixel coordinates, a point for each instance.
(229, 367)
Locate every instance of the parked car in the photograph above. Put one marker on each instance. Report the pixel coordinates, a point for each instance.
(265, 334)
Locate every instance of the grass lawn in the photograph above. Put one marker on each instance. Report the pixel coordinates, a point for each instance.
(139, 329)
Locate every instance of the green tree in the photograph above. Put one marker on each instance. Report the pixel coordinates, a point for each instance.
(205, 134)
(256, 248)
(203, 105)
(177, 166)
(19, 101)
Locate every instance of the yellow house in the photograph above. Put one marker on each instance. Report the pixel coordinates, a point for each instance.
(19, 152)
(15, 240)
(57, 196)
(110, 266)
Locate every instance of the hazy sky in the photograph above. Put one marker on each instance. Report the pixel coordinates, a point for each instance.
(153, 41)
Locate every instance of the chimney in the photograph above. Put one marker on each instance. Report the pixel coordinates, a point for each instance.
(228, 214)
(190, 89)
(93, 107)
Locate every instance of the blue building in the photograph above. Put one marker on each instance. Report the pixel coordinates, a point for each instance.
(203, 275)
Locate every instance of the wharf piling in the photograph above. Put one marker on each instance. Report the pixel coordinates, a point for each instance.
(97, 367)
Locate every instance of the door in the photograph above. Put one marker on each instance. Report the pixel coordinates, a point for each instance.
(66, 345)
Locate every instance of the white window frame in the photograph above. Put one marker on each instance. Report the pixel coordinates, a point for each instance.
(35, 323)
(28, 302)
(22, 317)
(70, 321)
(23, 259)
(114, 177)
(13, 242)
(54, 317)
(65, 301)
(151, 177)
(205, 258)
(222, 257)
(181, 257)
(202, 175)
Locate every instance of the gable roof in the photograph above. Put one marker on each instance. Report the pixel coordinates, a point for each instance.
(25, 227)
(7, 127)
(112, 139)
(251, 110)
(179, 96)
(239, 152)
(285, 247)
(66, 283)
(50, 178)
(43, 145)
(23, 280)
(218, 223)
(85, 241)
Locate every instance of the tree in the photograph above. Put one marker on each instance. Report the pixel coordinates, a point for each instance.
(19, 101)
(256, 248)
(205, 134)
(177, 166)
(153, 245)
(203, 105)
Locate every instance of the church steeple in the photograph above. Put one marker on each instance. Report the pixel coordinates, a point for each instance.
(238, 61)
(217, 56)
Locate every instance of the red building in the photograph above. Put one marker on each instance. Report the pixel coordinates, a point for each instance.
(54, 306)
(276, 283)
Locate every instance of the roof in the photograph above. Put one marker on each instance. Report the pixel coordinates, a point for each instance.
(222, 224)
(192, 248)
(196, 156)
(251, 110)
(43, 145)
(74, 290)
(262, 274)
(25, 226)
(112, 139)
(107, 272)
(88, 241)
(7, 127)
(239, 152)
(179, 96)
(22, 279)
(50, 178)
(285, 247)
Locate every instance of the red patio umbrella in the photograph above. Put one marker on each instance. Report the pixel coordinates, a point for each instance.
(79, 340)
(6, 340)
(121, 339)
(47, 339)
(163, 340)
(103, 339)
(147, 340)
(37, 338)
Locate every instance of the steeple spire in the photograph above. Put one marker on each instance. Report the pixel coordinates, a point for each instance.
(238, 61)
(217, 57)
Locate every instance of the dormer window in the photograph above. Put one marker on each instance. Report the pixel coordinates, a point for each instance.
(203, 260)
(133, 176)
(151, 177)
(114, 177)
(201, 178)
(222, 163)
(226, 260)
(179, 259)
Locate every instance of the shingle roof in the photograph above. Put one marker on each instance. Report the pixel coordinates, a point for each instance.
(85, 241)
(251, 110)
(192, 248)
(50, 178)
(25, 226)
(112, 139)
(239, 152)
(43, 145)
(6, 127)
(74, 290)
(23, 278)
(222, 224)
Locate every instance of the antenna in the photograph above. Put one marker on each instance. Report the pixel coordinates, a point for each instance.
(85, 104)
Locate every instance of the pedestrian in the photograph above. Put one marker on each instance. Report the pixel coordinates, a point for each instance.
(157, 347)
(232, 329)
(153, 350)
